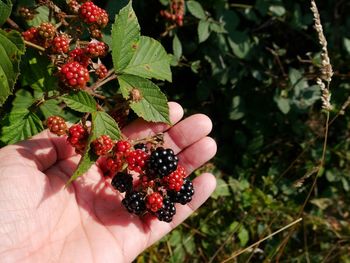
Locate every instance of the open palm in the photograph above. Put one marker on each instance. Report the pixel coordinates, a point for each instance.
(42, 221)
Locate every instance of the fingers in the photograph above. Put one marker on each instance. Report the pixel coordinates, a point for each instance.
(141, 129)
(41, 151)
(197, 154)
(187, 132)
(203, 185)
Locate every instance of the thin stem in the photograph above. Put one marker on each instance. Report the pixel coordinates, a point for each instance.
(34, 45)
(262, 240)
(92, 93)
(12, 23)
(241, 6)
(314, 183)
(110, 76)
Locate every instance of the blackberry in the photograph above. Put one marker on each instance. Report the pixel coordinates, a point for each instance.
(167, 212)
(185, 194)
(122, 182)
(141, 146)
(162, 162)
(134, 202)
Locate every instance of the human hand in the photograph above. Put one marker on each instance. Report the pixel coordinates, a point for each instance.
(42, 221)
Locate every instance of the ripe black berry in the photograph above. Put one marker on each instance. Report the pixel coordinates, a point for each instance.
(167, 212)
(185, 194)
(122, 182)
(134, 202)
(162, 162)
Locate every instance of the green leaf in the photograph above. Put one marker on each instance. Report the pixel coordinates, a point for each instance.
(277, 10)
(86, 161)
(105, 124)
(37, 72)
(5, 10)
(177, 47)
(222, 189)
(23, 100)
(237, 111)
(125, 35)
(50, 108)
(153, 104)
(196, 9)
(11, 50)
(240, 44)
(150, 60)
(203, 30)
(43, 15)
(19, 125)
(243, 236)
(101, 124)
(346, 42)
(80, 101)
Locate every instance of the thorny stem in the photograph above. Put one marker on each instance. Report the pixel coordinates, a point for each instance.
(34, 45)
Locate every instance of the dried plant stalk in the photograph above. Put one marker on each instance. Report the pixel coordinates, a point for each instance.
(326, 68)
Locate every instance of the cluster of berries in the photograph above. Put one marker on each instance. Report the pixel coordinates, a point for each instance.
(26, 13)
(73, 64)
(176, 12)
(161, 181)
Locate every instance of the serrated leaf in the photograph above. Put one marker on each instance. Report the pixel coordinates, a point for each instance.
(101, 124)
(177, 47)
(203, 30)
(125, 35)
(150, 60)
(196, 9)
(105, 124)
(20, 125)
(37, 72)
(5, 10)
(50, 108)
(11, 50)
(86, 161)
(23, 100)
(80, 101)
(153, 104)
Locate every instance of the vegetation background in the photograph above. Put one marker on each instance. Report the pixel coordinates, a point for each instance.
(251, 67)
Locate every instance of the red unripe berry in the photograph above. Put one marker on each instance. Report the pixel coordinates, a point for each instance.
(77, 137)
(102, 145)
(101, 71)
(92, 14)
(154, 201)
(96, 49)
(174, 181)
(56, 125)
(137, 160)
(122, 146)
(115, 163)
(60, 44)
(79, 55)
(74, 75)
(103, 19)
(31, 34)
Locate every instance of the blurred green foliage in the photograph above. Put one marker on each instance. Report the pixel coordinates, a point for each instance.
(251, 66)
